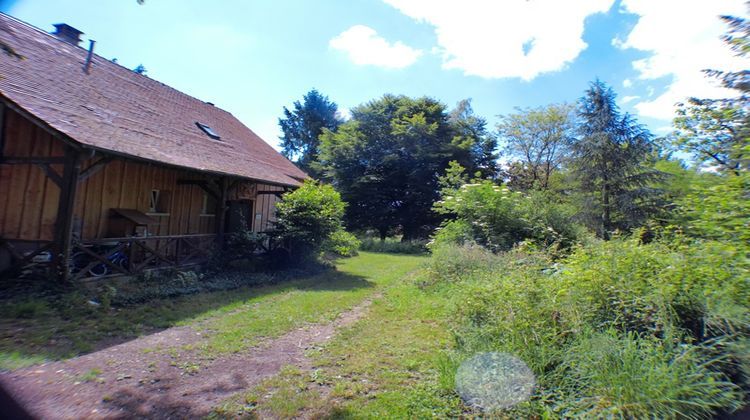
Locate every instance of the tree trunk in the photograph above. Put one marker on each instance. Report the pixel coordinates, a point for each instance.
(408, 233)
(605, 211)
(383, 234)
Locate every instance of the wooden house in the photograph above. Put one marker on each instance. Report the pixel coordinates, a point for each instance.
(99, 161)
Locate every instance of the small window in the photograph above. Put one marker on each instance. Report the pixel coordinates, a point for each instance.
(208, 130)
(158, 201)
(209, 205)
(153, 200)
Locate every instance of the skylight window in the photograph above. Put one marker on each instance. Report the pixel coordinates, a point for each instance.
(208, 130)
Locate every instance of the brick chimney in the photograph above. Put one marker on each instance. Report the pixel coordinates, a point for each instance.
(67, 33)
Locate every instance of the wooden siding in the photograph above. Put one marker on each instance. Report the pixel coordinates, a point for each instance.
(28, 198)
(28, 207)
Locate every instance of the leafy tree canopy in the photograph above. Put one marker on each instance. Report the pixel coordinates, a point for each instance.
(387, 160)
(538, 140)
(716, 131)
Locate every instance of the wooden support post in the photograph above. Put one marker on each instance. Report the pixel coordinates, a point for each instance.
(221, 210)
(2, 128)
(95, 167)
(51, 174)
(65, 207)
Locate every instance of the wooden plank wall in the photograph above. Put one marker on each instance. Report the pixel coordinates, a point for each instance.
(28, 200)
(29, 211)
(128, 184)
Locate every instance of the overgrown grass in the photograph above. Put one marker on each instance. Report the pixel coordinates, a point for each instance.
(617, 329)
(65, 325)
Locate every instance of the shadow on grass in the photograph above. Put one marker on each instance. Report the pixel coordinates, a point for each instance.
(66, 324)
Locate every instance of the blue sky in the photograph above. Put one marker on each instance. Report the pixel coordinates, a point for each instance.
(254, 57)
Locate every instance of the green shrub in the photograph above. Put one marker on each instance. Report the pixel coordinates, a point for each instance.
(498, 219)
(717, 209)
(393, 246)
(307, 217)
(452, 264)
(342, 243)
(615, 329)
(243, 243)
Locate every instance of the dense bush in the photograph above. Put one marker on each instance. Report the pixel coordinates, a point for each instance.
(342, 243)
(497, 218)
(309, 218)
(393, 246)
(616, 329)
(718, 208)
(242, 244)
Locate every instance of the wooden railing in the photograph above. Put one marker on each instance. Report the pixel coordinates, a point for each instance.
(28, 258)
(133, 255)
(109, 257)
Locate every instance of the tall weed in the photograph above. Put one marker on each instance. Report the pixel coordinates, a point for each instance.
(616, 329)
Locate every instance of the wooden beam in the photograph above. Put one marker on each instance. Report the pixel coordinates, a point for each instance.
(33, 160)
(94, 168)
(203, 185)
(65, 207)
(51, 173)
(276, 193)
(21, 260)
(234, 184)
(221, 210)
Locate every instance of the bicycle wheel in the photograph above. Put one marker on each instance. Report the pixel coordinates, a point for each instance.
(78, 261)
(99, 270)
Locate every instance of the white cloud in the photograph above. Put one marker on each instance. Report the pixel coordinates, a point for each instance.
(344, 113)
(683, 38)
(508, 38)
(627, 99)
(627, 83)
(365, 47)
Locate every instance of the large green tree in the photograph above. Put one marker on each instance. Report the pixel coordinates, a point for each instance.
(387, 159)
(537, 141)
(716, 131)
(610, 164)
(302, 127)
(472, 137)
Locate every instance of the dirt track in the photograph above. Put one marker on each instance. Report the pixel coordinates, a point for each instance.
(137, 381)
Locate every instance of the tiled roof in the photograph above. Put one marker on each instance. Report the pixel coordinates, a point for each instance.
(115, 109)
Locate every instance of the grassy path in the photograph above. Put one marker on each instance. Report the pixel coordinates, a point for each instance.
(387, 365)
(186, 370)
(47, 329)
(317, 299)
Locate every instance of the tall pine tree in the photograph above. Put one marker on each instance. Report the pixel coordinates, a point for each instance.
(302, 127)
(609, 162)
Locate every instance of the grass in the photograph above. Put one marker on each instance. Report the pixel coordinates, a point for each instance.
(90, 376)
(316, 299)
(67, 325)
(385, 365)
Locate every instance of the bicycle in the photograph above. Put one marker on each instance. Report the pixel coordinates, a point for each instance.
(81, 260)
